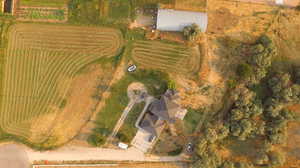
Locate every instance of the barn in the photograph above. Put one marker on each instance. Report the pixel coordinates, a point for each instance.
(176, 20)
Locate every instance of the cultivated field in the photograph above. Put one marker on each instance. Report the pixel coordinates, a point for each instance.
(173, 58)
(41, 63)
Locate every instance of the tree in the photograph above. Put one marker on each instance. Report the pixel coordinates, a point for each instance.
(201, 147)
(211, 135)
(244, 71)
(191, 32)
(261, 158)
(227, 164)
(277, 158)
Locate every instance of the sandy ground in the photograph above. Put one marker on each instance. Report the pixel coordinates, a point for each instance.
(12, 156)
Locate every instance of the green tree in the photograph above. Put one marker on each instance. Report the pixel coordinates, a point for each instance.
(192, 32)
(277, 158)
(244, 71)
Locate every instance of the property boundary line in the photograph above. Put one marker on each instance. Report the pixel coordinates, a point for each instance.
(72, 165)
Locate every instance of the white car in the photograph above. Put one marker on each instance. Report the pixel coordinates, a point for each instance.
(131, 68)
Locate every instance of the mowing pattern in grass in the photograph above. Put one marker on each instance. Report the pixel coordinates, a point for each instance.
(41, 61)
(166, 57)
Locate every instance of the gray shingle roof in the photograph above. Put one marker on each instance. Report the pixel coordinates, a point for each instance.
(175, 20)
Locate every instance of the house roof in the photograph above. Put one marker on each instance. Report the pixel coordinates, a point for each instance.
(148, 123)
(175, 20)
(165, 108)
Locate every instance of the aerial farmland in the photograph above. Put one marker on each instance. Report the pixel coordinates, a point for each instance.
(149, 83)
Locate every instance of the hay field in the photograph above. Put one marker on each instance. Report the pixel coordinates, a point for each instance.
(171, 58)
(40, 63)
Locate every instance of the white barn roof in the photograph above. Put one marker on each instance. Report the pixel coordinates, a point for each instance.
(174, 20)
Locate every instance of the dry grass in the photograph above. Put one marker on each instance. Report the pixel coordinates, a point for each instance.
(191, 5)
(170, 58)
(41, 64)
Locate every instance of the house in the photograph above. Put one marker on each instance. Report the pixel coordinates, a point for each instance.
(159, 112)
(176, 20)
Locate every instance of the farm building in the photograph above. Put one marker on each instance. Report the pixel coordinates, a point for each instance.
(175, 20)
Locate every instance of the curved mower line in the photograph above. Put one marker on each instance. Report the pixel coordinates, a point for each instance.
(40, 59)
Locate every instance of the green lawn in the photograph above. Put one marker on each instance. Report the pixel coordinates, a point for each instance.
(84, 12)
(156, 83)
(128, 127)
(192, 119)
(44, 3)
(119, 9)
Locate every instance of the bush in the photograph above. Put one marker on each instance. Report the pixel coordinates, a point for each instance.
(96, 139)
(192, 32)
(244, 71)
(176, 151)
(123, 137)
(277, 158)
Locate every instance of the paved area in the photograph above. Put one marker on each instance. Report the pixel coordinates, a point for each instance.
(12, 156)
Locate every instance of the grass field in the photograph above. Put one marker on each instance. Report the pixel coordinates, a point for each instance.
(44, 3)
(192, 119)
(41, 61)
(128, 128)
(173, 58)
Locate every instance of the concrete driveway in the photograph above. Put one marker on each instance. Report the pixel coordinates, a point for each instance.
(13, 156)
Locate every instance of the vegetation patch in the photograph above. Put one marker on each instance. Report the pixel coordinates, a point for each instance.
(192, 119)
(156, 83)
(256, 126)
(128, 128)
(42, 14)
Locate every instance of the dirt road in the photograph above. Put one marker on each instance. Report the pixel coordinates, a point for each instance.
(12, 156)
(19, 156)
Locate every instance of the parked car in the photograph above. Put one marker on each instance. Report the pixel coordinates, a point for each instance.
(190, 147)
(131, 68)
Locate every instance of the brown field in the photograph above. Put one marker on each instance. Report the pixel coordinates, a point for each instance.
(191, 5)
(234, 17)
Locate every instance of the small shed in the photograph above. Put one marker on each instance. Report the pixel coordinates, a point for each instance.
(176, 20)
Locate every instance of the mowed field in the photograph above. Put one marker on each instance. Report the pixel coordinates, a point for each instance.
(172, 58)
(41, 62)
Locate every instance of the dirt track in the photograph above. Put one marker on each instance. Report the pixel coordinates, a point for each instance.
(11, 156)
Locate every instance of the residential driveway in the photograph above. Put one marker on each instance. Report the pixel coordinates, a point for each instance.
(13, 156)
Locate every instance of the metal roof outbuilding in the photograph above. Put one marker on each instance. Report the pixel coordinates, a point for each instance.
(175, 20)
